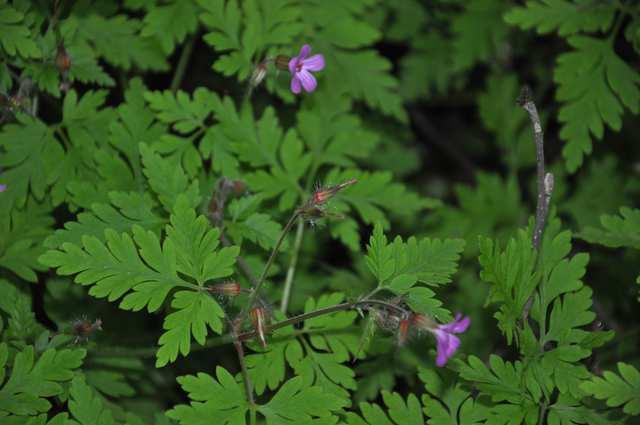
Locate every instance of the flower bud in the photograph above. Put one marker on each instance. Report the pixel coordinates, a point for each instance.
(322, 195)
(258, 320)
(228, 289)
(63, 60)
(83, 328)
(258, 74)
(424, 322)
(282, 62)
(403, 331)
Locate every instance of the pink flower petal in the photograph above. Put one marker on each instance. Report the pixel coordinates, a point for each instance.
(304, 52)
(447, 344)
(293, 63)
(314, 63)
(308, 81)
(295, 84)
(3, 187)
(457, 326)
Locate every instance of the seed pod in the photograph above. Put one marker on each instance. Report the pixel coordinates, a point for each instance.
(258, 320)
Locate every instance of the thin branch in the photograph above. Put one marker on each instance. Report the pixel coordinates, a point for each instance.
(237, 343)
(274, 253)
(545, 189)
(545, 180)
(178, 76)
(288, 283)
(242, 263)
(231, 337)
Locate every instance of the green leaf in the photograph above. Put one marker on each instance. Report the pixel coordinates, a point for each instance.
(428, 68)
(375, 193)
(399, 411)
(478, 32)
(267, 367)
(296, 403)
(32, 381)
(86, 407)
(330, 344)
(16, 37)
(430, 261)
(27, 165)
(196, 244)
(594, 84)
(244, 35)
(124, 211)
(502, 382)
(167, 179)
(510, 125)
(195, 311)
(220, 401)
(617, 231)
(617, 390)
(22, 326)
(566, 17)
(118, 41)
(184, 114)
(246, 223)
(447, 403)
(171, 23)
(569, 411)
(376, 87)
(511, 275)
(118, 265)
(23, 231)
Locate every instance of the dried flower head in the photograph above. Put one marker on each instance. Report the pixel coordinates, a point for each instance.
(83, 328)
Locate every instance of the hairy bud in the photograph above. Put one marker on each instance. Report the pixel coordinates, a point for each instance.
(258, 321)
(228, 289)
(83, 328)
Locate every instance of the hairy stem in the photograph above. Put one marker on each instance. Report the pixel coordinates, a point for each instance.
(231, 338)
(248, 385)
(274, 253)
(288, 283)
(178, 76)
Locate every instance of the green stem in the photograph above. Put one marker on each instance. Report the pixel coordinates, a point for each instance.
(256, 290)
(182, 64)
(288, 283)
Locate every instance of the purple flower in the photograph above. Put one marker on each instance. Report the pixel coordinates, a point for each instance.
(447, 342)
(3, 187)
(300, 67)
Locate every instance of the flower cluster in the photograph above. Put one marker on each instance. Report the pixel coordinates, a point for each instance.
(300, 67)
